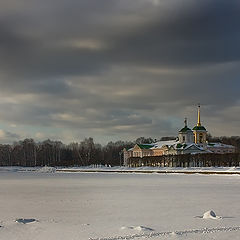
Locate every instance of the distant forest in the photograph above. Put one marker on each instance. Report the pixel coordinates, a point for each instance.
(54, 153)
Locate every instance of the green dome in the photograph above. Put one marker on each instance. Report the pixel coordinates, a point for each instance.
(185, 129)
(202, 128)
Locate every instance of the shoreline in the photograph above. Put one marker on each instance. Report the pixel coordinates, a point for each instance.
(147, 171)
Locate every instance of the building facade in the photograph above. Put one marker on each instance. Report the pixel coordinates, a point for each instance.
(190, 141)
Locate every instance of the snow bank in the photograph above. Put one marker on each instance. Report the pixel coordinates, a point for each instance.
(215, 170)
(210, 215)
(47, 170)
(101, 168)
(18, 169)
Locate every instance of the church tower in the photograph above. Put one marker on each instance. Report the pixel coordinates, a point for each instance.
(185, 134)
(199, 131)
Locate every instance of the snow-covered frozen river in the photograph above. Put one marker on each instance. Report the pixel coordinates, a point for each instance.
(78, 206)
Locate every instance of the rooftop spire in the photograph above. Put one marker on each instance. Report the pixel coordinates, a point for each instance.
(199, 121)
(185, 122)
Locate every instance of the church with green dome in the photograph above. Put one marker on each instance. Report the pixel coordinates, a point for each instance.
(197, 135)
(185, 135)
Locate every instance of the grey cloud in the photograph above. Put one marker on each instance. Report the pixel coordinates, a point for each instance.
(117, 67)
(8, 137)
(206, 32)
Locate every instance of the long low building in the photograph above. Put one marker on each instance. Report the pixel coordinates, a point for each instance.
(189, 141)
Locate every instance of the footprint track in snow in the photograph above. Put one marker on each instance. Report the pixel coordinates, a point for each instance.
(156, 234)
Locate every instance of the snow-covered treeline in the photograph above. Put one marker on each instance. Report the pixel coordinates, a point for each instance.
(55, 153)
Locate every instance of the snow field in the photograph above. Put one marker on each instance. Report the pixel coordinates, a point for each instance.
(118, 206)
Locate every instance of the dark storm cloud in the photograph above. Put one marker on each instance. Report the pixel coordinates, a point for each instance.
(32, 59)
(123, 68)
(206, 33)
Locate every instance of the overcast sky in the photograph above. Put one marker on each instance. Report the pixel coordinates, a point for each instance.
(117, 69)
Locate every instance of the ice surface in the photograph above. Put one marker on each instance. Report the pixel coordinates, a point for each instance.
(26, 220)
(81, 206)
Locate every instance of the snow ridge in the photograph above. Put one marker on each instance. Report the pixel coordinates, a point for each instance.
(211, 215)
(156, 234)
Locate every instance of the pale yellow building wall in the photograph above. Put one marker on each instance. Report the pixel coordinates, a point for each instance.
(197, 137)
(138, 152)
(158, 152)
